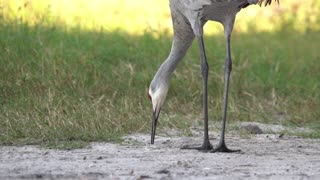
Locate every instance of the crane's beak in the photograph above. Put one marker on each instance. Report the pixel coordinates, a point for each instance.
(155, 116)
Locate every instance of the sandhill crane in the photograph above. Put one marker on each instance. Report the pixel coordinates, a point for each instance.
(189, 17)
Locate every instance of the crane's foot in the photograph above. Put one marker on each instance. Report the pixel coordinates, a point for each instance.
(205, 147)
(223, 148)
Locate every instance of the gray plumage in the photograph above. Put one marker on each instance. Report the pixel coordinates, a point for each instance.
(188, 18)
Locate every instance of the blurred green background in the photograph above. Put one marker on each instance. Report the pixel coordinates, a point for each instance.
(79, 70)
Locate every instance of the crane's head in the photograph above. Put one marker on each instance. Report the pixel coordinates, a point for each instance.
(157, 94)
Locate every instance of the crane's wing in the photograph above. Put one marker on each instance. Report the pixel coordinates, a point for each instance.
(195, 4)
(198, 4)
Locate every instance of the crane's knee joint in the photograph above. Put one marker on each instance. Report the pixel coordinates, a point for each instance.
(204, 68)
(228, 65)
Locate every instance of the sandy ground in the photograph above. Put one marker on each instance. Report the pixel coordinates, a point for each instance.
(263, 156)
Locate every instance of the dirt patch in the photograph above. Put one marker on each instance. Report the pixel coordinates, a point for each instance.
(264, 156)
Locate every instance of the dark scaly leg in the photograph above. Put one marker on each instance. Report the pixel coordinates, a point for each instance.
(227, 70)
(206, 145)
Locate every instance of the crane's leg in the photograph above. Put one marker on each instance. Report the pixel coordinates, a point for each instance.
(204, 70)
(227, 70)
(206, 145)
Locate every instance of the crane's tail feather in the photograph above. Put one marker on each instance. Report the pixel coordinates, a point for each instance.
(267, 2)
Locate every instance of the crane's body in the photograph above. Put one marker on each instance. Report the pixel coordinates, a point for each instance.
(188, 18)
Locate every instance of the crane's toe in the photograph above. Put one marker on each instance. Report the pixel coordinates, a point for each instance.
(205, 147)
(223, 148)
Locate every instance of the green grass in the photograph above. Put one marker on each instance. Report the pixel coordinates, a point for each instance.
(74, 85)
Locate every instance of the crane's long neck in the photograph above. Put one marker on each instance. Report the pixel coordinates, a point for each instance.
(178, 50)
